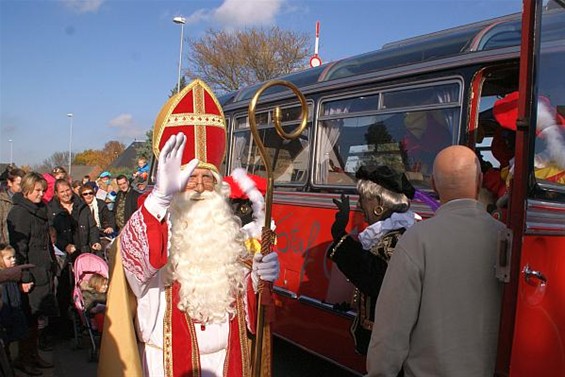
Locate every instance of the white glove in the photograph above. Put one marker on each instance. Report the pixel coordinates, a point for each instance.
(265, 267)
(170, 177)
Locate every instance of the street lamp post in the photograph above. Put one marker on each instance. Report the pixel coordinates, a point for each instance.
(181, 21)
(11, 152)
(70, 115)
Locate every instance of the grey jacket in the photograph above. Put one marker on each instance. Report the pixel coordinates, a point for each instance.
(438, 310)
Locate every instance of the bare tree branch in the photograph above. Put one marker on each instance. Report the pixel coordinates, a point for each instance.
(230, 61)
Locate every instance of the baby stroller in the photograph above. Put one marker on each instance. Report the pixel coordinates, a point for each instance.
(84, 267)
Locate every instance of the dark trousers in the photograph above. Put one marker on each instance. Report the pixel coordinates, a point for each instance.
(5, 367)
(27, 347)
(62, 326)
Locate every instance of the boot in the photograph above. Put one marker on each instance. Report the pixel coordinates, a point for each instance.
(45, 342)
(41, 363)
(26, 368)
(5, 364)
(27, 347)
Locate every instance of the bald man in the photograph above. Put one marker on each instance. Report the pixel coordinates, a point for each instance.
(438, 310)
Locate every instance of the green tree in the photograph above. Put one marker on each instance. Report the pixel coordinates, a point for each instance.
(229, 61)
(147, 149)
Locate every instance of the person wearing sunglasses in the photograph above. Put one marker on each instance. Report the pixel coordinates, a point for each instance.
(103, 217)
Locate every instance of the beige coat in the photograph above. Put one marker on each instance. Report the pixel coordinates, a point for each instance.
(438, 310)
(5, 207)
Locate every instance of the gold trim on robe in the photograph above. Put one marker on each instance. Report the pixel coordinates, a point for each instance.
(119, 352)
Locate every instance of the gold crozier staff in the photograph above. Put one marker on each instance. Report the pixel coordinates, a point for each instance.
(267, 235)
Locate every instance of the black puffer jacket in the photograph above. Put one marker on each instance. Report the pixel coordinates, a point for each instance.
(29, 235)
(78, 228)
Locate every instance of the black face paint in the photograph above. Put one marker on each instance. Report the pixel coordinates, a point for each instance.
(242, 209)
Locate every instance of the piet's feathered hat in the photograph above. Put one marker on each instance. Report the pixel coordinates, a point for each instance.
(196, 112)
(550, 125)
(254, 188)
(246, 186)
(505, 111)
(386, 177)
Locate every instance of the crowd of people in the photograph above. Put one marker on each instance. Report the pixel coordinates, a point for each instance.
(46, 222)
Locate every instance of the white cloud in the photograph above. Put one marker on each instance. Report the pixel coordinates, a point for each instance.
(240, 13)
(201, 15)
(83, 6)
(127, 127)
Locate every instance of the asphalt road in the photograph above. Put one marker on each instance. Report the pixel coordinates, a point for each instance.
(288, 361)
(291, 361)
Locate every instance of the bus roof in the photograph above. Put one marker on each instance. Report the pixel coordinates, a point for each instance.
(479, 36)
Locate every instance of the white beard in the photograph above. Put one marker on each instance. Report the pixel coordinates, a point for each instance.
(205, 247)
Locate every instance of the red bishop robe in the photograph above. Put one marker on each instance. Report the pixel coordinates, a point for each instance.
(162, 329)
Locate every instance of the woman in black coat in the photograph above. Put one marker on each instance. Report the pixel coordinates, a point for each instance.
(76, 233)
(73, 221)
(28, 229)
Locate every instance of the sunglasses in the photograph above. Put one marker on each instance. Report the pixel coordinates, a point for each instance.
(87, 193)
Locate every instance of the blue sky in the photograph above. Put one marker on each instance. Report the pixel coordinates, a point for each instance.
(112, 63)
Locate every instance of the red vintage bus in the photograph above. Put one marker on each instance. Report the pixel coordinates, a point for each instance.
(362, 109)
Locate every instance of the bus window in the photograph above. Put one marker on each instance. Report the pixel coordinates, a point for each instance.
(549, 158)
(441, 94)
(407, 140)
(289, 158)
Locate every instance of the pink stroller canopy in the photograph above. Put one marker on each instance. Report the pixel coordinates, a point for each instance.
(84, 267)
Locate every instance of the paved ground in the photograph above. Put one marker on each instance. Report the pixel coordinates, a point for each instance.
(68, 362)
(288, 361)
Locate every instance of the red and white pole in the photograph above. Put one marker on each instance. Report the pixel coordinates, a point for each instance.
(315, 59)
(317, 38)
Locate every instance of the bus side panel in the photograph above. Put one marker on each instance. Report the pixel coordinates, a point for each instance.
(318, 331)
(539, 337)
(315, 311)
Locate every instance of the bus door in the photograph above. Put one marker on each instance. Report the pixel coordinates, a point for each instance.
(538, 344)
(532, 335)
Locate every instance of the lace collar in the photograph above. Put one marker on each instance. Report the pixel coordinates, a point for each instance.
(374, 232)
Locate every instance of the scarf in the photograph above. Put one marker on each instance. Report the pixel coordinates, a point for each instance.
(94, 209)
(373, 233)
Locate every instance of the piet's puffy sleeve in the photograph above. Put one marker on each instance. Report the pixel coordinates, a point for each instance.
(364, 269)
(144, 244)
